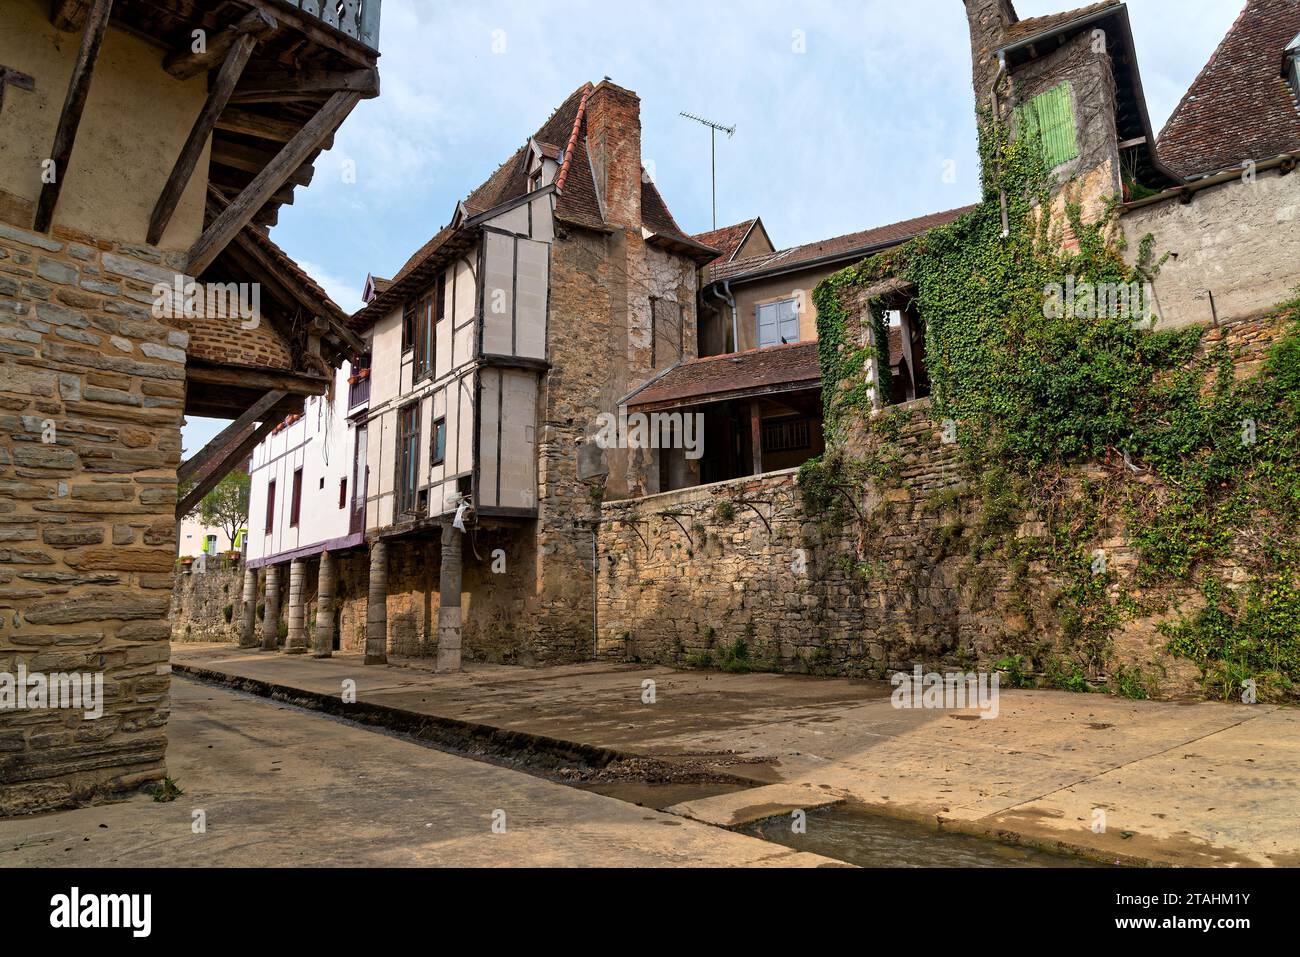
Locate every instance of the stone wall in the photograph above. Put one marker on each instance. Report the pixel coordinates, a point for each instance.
(896, 580)
(199, 600)
(91, 395)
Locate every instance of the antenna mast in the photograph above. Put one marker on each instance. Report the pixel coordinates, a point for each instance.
(714, 129)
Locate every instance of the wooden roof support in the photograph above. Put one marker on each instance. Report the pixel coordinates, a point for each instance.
(224, 228)
(236, 58)
(256, 24)
(258, 412)
(305, 84)
(69, 15)
(226, 460)
(255, 124)
(249, 159)
(73, 106)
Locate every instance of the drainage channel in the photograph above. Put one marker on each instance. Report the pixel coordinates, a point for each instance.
(639, 780)
(853, 834)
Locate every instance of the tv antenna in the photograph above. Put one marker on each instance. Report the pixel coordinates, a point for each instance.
(714, 129)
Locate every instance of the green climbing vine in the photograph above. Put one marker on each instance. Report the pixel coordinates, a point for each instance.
(1201, 466)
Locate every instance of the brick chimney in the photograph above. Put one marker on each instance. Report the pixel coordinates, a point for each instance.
(614, 144)
(988, 19)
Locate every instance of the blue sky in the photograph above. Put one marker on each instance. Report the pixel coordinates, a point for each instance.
(847, 113)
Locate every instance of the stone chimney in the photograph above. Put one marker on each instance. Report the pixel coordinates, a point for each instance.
(614, 144)
(988, 19)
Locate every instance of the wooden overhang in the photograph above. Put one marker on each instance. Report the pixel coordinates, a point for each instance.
(756, 373)
(283, 75)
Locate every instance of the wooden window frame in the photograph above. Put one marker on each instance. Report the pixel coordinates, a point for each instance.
(439, 424)
(295, 500)
(270, 506)
(407, 496)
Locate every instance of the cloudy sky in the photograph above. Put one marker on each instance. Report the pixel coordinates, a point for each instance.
(847, 112)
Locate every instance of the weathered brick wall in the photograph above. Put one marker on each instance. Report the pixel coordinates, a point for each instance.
(91, 395)
(685, 574)
(199, 600)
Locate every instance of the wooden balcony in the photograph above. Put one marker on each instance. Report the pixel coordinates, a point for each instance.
(358, 19)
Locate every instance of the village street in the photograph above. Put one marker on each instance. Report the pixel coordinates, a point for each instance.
(1189, 783)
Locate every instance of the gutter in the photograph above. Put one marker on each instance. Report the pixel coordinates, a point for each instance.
(1187, 191)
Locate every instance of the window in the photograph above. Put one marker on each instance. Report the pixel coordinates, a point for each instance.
(1051, 116)
(210, 546)
(343, 492)
(295, 503)
(786, 435)
(408, 327)
(778, 323)
(1293, 65)
(270, 506)
(408, 456)
(439, 441)
(667, 332)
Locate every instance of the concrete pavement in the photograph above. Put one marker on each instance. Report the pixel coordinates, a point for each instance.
(1189, 783)
(277, 786)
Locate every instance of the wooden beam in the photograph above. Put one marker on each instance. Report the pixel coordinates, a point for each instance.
(304, 84)
(271, 128)
(224, 464)
(249, 159)
(756, 435)
(12, 77)
(256, 24)
(236, 58)
(314, 29)
(69, 15)
(217, 236)
(73, 106)
(256, 413)
(220, 178)
(240, 377)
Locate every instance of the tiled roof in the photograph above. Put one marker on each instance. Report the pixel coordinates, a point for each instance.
(1240, 106)
(576, 202)
(726, 240)
(1035, 26)
(717, 377)
(840, 247)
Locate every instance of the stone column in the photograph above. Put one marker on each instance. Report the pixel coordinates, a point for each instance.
(271, 612)
(449, 601)
(324, 644)
(377, 606)
(297, 640)
(248, 623)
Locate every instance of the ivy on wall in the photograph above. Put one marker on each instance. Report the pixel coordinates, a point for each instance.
(1202, 467)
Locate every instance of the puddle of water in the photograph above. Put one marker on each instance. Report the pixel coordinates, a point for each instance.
(660, 796)
(855, 836)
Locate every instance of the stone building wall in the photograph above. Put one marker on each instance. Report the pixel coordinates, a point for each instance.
(91, 396)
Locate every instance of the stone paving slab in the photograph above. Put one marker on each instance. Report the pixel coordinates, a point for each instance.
(1200, 783)
(278, 786)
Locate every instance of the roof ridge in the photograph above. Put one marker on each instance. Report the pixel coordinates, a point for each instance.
(563, 176)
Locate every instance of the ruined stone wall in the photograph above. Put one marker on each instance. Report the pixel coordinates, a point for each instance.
(91, 395)
(896, 581)
(1234, 251)
(199, 601)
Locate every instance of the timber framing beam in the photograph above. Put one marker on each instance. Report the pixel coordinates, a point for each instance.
(74, 104)
(69, 15)
(242, 377)
(258, 412)
(236, 58)
(255, 24)
(227, 225)
(306, 84)
(221, 467)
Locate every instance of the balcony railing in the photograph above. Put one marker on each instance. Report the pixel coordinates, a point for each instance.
(356, 18)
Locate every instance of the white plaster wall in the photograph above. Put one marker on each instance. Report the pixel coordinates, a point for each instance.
(1239, 241)
(321, 443)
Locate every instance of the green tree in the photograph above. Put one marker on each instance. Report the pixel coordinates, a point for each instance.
(226, 506)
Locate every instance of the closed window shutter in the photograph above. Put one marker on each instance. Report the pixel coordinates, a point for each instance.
(790, 320)
(769, 327)
(1051, 116)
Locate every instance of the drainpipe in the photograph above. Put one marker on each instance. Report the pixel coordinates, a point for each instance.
(595, 592)
(725, 296)
(993, 93)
